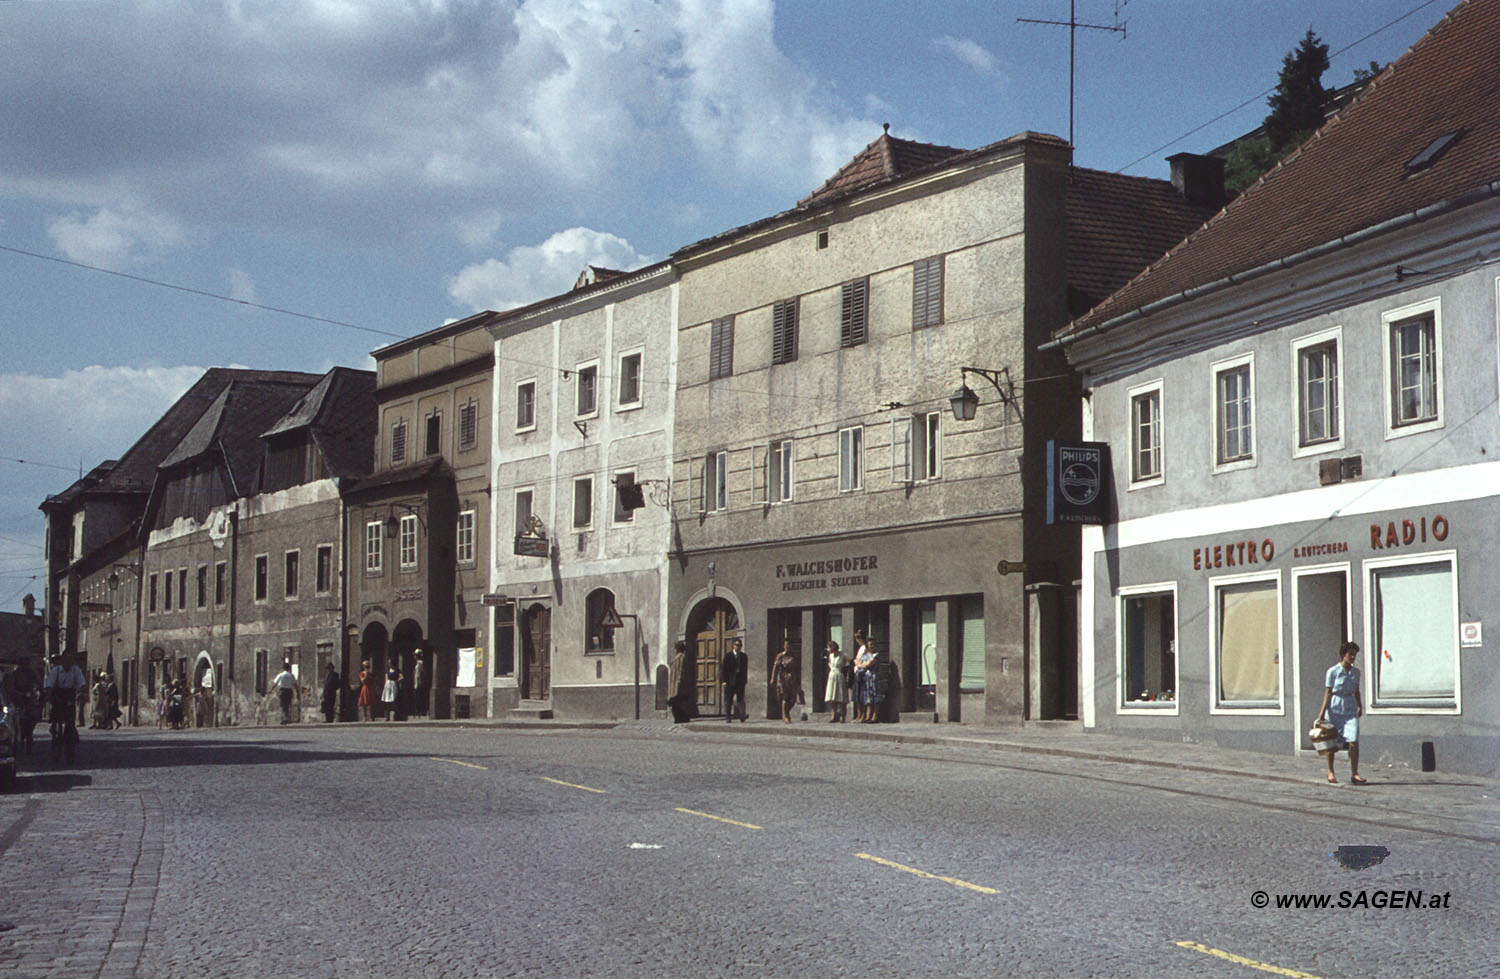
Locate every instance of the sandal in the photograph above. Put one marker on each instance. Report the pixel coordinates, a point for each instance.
(1359, 780)
(1333, 779)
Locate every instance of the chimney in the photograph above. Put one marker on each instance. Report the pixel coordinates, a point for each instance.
(1199, 179)
(28, 605)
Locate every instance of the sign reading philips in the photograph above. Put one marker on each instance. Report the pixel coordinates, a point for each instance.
(1077, 482)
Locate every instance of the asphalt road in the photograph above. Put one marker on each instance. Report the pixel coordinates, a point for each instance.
(366, 851)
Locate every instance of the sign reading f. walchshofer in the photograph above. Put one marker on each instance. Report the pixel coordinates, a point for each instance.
(1077, 482)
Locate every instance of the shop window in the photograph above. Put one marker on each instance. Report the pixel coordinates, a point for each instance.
(1148, 648)
(1247, 637)
(599, 602)
(971, 655)
(1413, 622)
(504, 657)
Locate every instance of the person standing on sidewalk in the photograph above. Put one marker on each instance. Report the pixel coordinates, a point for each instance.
(392, 689)
(366, 691)
(330, 693)
(681, 684)
(1343, 707)
(736, 671)
(286, 685)
(837, 692)
(785, 679)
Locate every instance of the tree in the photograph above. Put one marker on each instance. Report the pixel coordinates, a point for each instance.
(1297, 103)
(1365, 74)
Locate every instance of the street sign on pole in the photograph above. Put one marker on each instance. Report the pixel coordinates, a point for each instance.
(610, 619)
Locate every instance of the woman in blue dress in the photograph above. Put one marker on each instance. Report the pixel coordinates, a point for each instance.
(1342, 707)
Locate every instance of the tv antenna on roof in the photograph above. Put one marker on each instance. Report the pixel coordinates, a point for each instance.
(1072, 24)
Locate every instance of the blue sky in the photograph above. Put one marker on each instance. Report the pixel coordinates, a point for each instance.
(395, 165)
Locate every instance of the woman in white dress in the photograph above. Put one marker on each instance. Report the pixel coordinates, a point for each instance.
(837, 691)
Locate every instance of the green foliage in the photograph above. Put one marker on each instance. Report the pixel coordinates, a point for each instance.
(1365, 74)
(1251, 157)
(1297, 103)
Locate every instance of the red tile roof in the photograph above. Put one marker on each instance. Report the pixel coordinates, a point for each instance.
(1353, 173)
(884, 159)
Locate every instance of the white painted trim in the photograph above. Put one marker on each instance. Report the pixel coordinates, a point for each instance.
(577, 375)
(1457, 484)
(1336, 335)
(1215, 369)
(1411, 311)
(1131, 394)
(1093, 544)
(1279, 710)
(640, 386)
(573, 525)
(516, 402)
(1401, 561)
(1142, 708)
(1296, 673)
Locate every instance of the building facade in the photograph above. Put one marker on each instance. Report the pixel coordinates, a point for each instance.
(1300, 400)
(418, 527)
(582, 450)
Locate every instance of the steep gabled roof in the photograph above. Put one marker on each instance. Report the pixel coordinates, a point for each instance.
(1363, 169)
(887, 158)
(233, 423)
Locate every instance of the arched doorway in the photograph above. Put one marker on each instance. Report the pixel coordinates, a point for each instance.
(372, 647)
(712, 626)
(536, 653)
(404, 645)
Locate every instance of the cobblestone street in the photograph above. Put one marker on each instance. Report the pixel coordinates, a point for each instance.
(369, 850)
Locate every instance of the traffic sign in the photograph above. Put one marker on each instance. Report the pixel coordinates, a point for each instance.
(610, 619)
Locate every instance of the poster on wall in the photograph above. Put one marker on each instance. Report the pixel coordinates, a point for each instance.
(465, 676)
(1077, 482)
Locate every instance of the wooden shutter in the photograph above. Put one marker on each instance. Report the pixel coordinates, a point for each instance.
(721, 348)
(784, 332)
(853, 313)
(927, 292)
(468, 416)
(398, 442)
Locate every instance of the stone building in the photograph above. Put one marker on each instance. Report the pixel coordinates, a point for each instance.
(822, 485)
(244, 562)
(1301, 399)
(583, 423)
(418, 526)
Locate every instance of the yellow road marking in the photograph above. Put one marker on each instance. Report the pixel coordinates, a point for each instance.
(705, 815)
(1249, 963)
(922, 873)
(558, 781)
(455, 761)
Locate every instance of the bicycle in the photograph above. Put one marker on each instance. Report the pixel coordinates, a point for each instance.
(64, 731)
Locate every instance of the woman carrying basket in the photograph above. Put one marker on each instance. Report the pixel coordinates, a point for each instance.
(1342, 707)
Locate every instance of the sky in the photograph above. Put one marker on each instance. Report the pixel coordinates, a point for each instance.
(291, 184)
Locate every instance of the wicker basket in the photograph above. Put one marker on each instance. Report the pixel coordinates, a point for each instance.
(1325, 739)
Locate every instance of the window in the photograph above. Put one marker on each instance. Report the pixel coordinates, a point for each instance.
(523, 512)
(166, 591)
(525, 406)
(262, 671)
(916, 447)
(823, 239)
(784, 332)
(630, 380)
(779, 479)
(398, 442)
(262, 576)
(927, 292)
(1148, 647)
(221, 583)
(325, 569)
(588, 390)
(721, 348)
(182, 588)
(1234, 413)
(293, 559)
(971, 652)
(1247, 665)
(1413, 641)
(599, 602)
(464, 540)
(715, 481)
(408, 541)
(432, 441)
(202, 586)
(851, 459)
(1145, 434)
(583, 502)
(374, 539)
(854, 313)
(1414, 353)
(1318, 420)
(623, 513)
(152, 607)
(468, 426)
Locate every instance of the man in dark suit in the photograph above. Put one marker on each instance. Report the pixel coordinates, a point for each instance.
(733, 673)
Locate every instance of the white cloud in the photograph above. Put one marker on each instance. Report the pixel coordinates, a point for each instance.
(241, 286)
(970, 53)
(533, 272)
(87, 415)
(112, 239)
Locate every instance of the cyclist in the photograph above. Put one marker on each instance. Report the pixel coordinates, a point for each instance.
(63, 684)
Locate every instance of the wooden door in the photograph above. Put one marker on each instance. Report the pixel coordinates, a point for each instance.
(538, 653)
(719, 629)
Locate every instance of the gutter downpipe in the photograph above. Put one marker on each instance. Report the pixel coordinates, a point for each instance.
(1421, 214)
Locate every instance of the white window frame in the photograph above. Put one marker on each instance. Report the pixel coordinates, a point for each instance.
(621, 404)
(291, 590)
(927, 446)
(530, 493)
(587, 367)
(528, 425)
(852, 474)
(1278, 709)
(375, 557)
(1388, 321)
(582, 481)
(463, 538)
(781, 473)
(407, 542)
(1155, 708)
(614, 498)
(1335, 338)
(1134, 394)
(1218, 369)
(716, 481)
(1368, 651)
(332, 570)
